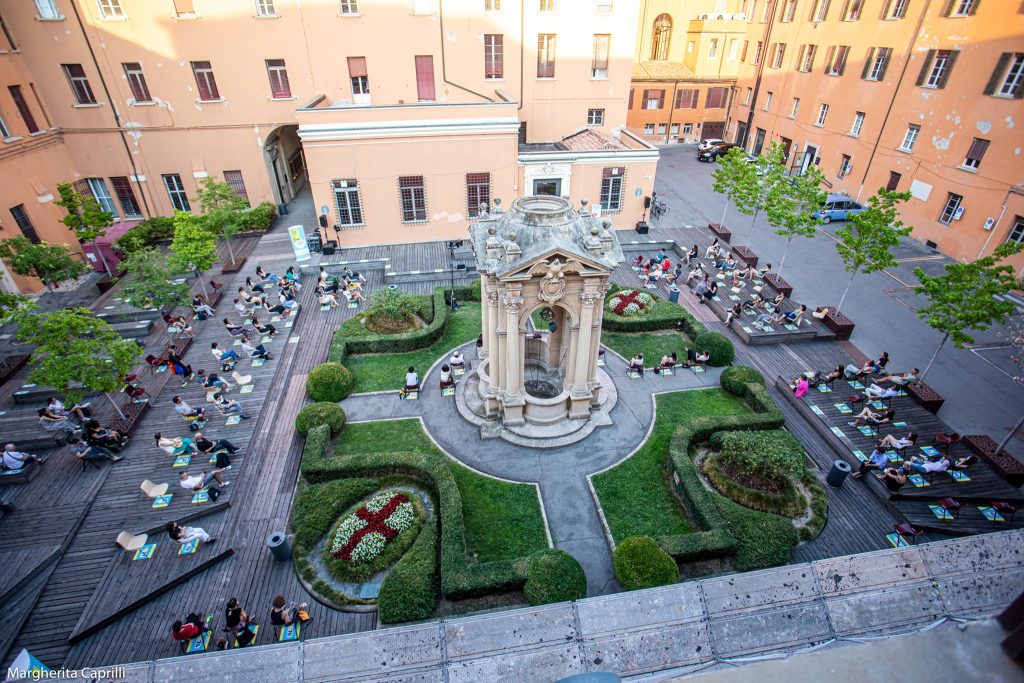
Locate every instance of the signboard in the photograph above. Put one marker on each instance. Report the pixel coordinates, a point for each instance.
(298, 239)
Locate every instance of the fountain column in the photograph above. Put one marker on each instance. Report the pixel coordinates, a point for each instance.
(580, 393)
(513, 400)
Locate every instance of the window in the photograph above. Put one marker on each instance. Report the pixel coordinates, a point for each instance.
(661, 129)
(278, 75)
(962, 8)
(654, 99)
(822, 114)
(690, 46)
(748, 95)
(858, 123)
(599, 64)
(845, 166)
(348, 203)
(661, 37)
(350, 7)
(126, 197)
(896, 9)
(358, 75)
(675, 130)
(780, 52)
(47, 10)
(492, 5)
(1017, 231)
(876, 63)
(788, 10)
(713, 48)
(5, 132)
(686, 98)
(648, 129)
(24, 224)
(952, 209)
(937, 67)
(604, 6)
(743, 53)
(806, 58)
(79, 83)
(611, 188)
(137, 81)
(629, 104)
(176, 191)
(184, 7)
(414, 203)
(687, 129)
(425, 78)
(734, 46)
(111, 9)
(1008, 78)
(819, 10)
(910, 137)
(767, 101)
(102, 196)
(234, 180)
(852, 9)
(595, 117)
(547, 5)
(546, 55)
(7, 35)
(757, 52)
(22, 105)
(265, 8)
(205, 81)
(716, 98)
(894, 181)
(494, 56)
(478, 191)
(796, 106)
(975, 153)
(835, 60)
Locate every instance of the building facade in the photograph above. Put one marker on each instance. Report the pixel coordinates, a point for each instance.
(398, 119)
(923, 96)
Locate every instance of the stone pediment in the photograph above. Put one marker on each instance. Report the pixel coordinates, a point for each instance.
(541, 265)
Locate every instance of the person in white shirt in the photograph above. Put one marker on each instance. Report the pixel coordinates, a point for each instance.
(187, 534)
(446, 377)
(222, 356)
(175, 447)
(240, 307)
(891, 441)
(456, 360)
(15, 460)
(637, 364)
(412, 380)
(200, 481)
(258, 351)
(875, 391)
(926, 466)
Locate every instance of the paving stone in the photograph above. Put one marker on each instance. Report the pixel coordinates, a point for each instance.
(892, 609)
(638, 610)
(871, 570)
(768, 630)
(665, 648)
(474, 636)
(548, 664)
(270, 664)
(983, 554)
(980, 594)
(376, 653)
(746, 591)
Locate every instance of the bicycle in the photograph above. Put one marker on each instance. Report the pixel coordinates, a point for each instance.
(658, 208)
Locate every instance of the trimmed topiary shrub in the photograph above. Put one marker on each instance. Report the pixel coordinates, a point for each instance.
(641, 563)
(146, 234)
(770, 455)
(554, 576)
(718, 345)
(329, 382)
(258, 218)
(317, 414)
(409, 591)
(351, 556)
(735, 379)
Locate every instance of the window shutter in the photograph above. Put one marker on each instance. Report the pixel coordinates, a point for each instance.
(886, 54)
(829, 54)
(997, 75)
(661, 99)
(974, 7)
(929, 58)
(800, 58)
(425, 77)
(846, 8)
(868, 61)
(978, 149)
(630, 105)
(949, 68)
(949, 8)
(844, 52)
(357, 67)
(885, 9)
(647, 96)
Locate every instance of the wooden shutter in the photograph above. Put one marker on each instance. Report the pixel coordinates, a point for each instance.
(425, 77)
(997, 76)
(661, 98)
(948, 10)
(601, 48)
(978, 149)
(630, 105)
(974, 8)
(800, 58)
(948, 71)
(868, 61)
(357, 67)
(894, 181)
(929, 58)
(886, 54)
(844, 53)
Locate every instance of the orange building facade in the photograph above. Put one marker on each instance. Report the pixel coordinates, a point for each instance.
(399, 119)
(923, 96)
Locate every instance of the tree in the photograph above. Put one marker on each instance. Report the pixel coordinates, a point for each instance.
(1015, 336)
(150, 281)
(964, 298)
(75, 351)
(728, 174)
(222, 209)
(47, 262)
(795, 209)
(194, 247)
(86, 217)
(11, 304)
(866, 241)
(761, 184)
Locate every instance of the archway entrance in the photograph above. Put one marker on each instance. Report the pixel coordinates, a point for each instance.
(286, 164)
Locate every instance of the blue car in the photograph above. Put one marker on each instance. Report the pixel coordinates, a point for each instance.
(839, 207)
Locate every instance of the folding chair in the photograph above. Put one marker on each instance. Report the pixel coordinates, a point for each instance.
(947, 440)
(130, 541)
(906, 530)
(952, 505)
(153, 362)
(1004, 509)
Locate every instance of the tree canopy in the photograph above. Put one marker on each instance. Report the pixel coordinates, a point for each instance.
(729, 172)
(794, 209)
(47, 262)
(151, 281)
(222, 209)
(194, 247)
(85, 216)
(761, 184)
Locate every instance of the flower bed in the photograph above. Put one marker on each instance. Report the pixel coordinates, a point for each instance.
(630, 303)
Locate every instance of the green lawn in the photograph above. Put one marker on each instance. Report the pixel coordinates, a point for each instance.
(653, 345)
(635, 495)
(503, 520)
(383, 371)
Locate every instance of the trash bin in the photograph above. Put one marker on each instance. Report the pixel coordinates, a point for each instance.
(836, 476)
(281, 550)
(282, 209)
(673, 294)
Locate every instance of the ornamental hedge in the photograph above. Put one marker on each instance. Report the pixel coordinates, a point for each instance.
(354, 338)
(630, 303)
(735, 378)
(664, 317)
(317, 414)
(640, 563)
(409, 591)
(719, 346)
(554, 576)
(148, 233)
(330, 382)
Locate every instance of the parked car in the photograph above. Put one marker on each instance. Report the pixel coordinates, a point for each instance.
(839, 208)
(715, 152)
(708, 143)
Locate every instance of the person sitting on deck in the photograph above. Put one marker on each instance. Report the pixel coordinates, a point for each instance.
(253, 287)
(694, 274)
(186, 411)
(258, 351)
(240, 308)
(665, 265)
(728, 263)
(60, 426)
(869, 417)
(881, 393)
(229, 406)
(56, 407)
(446, 377)
(964, 462)
(636, 364)
(354, 295)
(835, 374)
(97, 435)
(84, 451)
(638, 261)
(660, 257)
(192, 628)
(213, 381)
(736, 310)
(14, 460)
(233, 329)
(759, 273)
(712, 250)
(755, 303)
(710, 291)
(891, 441)
(186, 534)
(202, 480)
(895, 478)
(329, 299)
(175, 447)
(284, 613)
(676, 272)
(739, 273)
(200, 306)
(288, 301)
(667, 362)
(928, 466)
(802, 387)
(654, 275)
(883, 360)
(412, 380)
(877, 461)
(902, 379)
(692, 254)
(293, 276)
(266, 329)
(265, 276)
(220, 447)
(236, 619)
(794, 317)
(245, 296)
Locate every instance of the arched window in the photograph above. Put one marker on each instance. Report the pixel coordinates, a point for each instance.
(662, 36)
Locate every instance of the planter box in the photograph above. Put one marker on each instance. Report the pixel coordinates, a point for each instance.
(779, 285)
(721, 232)
(233, 267)
(747, 255)
(133, 413)
(1005, 465)
(10, 365)
(837, 322)
(929, 399)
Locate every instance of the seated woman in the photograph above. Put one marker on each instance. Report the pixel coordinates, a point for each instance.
(265, 276)
(891, 441)
(653, 275)
(201, 308)
(877, 461)
(285, 614)
(329, 299)
(964, 462)
(77, 412)
(412, 380)
(901, 379)
(233, 329)
(728, 264)
(738, 273)
(293, 276)
(835, 374)
(180, 326)
(694, 274)
(867, 416)
(244, 295)
(736, 310)
(667, 362)
(258, 351)
(59, 426)
(265, 329)
(712, 250)
(924, 466)
(759, 273)
(638, 261)
(666, 265)
(175, 447)
(692, 254)
(794, 317)
(636, 364)
(881, 393)
(212, 380)
(255, 288)
(457, 360)
(710, 291)
(674, 275)
(446, 377)
(279, 309)
(354, 295)
(779, 298)
(755, 303)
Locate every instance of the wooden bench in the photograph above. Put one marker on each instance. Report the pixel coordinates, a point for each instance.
(133, 330)
(22, 476)
(779, 285)
(837, 322)
(721, 232)
(929, 399)
(35, 394)
(9, 366)
(128, 315)
(22, 429)
(1005, 465)
(746, 254)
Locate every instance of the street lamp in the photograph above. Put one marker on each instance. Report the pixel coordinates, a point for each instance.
(452, 245)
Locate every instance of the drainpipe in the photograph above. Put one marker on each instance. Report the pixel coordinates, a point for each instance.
(1016, 189)
(671, 111)
(444, 72)
(113, 108)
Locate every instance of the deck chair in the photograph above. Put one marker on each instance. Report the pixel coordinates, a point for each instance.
(153, 490)
(240, 379)
(153, 362)
(130, 541)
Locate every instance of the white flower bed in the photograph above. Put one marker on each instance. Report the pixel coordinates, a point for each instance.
(370, 546)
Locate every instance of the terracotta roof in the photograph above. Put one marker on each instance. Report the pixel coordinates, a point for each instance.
(591, 140)
(661, 71)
